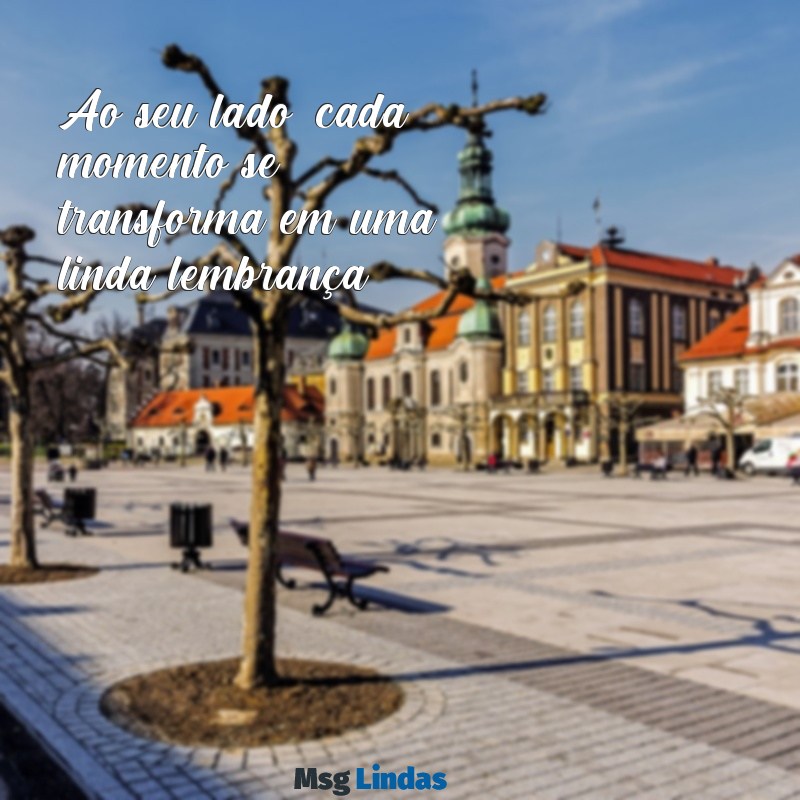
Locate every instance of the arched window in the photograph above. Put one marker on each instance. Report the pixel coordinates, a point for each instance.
(387, 391)
(635, 318)
(787, 378)
(436, 388)
(332, 386)
(407, 384)
(436, 440)
(524, 328)
(789, 315)
(370, 394)
(576, 321)
(463, 371)
(549, 324)
(679, 323)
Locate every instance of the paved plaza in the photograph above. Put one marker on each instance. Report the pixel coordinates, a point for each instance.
(557, 636)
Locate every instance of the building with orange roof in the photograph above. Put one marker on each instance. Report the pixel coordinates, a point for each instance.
(421, 391)
(209, 343)
(181, 422)
(543, 380)
(754, 352)
(605, 329)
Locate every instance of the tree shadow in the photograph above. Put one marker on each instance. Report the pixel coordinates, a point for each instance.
(444, 548)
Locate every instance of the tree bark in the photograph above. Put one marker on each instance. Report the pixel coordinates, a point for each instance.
(730, 445)
(257, 666)
(622, 431)
(23, 534)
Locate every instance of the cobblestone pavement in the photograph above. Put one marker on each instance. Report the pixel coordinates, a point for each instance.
(507, 690)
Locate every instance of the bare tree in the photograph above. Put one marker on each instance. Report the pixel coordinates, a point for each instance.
(311, 191)
(727, 407)
(23, 308)
(621, 415)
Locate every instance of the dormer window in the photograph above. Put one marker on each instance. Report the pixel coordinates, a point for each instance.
(407, 336)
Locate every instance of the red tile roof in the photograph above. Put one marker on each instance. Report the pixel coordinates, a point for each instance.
(654, 264)
(232, 404)
(442, 330)
(728, 339)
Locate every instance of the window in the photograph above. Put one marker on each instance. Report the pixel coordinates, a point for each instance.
(576, 321)
(246, 358)
(332, 386)
(789, 315)
(637, 377)
(741, 382)
(436, 440)
(549, 323)
(206, 358)
(714, 382)
(215, 356)
(548, 380)
(386, 390)
(714, 318)
(576, 377)
(463, 371)
(436, 388)
(679, 323)
(635, 318)
(523, 386)
(787, 378)
(407, 384)
(370, 394)
(524, 328)
(407, 336)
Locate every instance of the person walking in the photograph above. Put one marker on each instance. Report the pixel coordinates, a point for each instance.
(311, 466)
(223, 458)
(211, 458)
(691, 460)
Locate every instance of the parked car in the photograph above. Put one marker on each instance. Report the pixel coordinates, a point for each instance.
(769, 455)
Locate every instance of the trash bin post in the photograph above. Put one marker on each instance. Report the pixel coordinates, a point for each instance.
(190, 528)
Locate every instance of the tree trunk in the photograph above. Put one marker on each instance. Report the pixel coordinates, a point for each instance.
(23, 534)
(258, 646)
(622, 432)
(730, 448)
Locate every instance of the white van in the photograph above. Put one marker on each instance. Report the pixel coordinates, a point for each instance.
(769, 455)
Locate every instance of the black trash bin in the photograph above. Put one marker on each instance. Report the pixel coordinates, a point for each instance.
(80, 504)
(190, 528)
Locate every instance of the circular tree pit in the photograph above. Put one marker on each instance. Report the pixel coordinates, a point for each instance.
(46, 573)
(199, 705)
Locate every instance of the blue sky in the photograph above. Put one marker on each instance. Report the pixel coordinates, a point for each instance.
(683, 116)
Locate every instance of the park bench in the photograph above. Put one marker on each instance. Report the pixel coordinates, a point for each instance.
(52, 510)
(315, 553)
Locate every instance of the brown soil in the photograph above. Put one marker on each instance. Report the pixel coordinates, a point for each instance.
(197, 704)
(47, 573)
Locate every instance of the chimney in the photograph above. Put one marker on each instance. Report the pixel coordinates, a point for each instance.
(712, 261)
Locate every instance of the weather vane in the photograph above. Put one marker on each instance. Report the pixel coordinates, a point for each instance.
(474, 88)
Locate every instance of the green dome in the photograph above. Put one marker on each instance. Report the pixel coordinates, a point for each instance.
(349, 345)
(475, 212)
(481, 321)
(476, 218)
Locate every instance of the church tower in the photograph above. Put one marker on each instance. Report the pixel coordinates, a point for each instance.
(476, 227)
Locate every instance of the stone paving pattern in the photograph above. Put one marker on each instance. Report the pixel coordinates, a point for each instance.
(557, 636)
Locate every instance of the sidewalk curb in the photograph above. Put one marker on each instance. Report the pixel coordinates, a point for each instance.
(94, 781)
